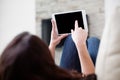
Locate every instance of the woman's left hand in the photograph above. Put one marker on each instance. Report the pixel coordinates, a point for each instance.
(55, 38)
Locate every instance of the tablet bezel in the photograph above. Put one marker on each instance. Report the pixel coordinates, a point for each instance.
(83, 16)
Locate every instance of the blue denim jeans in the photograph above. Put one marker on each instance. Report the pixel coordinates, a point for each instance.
(70, 59)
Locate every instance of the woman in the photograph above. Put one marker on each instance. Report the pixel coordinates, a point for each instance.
(71, 51)
(28, 58)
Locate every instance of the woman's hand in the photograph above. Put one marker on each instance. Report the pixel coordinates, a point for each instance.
(55, 38)
(79, 35)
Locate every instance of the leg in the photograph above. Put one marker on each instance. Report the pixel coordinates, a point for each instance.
(70, 59)
(93, 46)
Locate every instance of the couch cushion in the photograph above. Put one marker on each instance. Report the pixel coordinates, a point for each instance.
(108, 60)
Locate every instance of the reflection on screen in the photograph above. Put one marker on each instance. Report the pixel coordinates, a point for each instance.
(65, 22)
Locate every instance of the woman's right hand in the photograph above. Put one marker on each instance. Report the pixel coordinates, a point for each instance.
(79, 35)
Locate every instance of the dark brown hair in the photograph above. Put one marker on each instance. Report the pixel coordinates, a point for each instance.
(27, 57)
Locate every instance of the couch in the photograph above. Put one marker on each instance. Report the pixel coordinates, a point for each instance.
(108, 59)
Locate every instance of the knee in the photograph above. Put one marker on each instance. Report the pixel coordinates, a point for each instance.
(93, 39)
(69, 38)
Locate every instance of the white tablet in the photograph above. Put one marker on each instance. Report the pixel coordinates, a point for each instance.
(65, 20)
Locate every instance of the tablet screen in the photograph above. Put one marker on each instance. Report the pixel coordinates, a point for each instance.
(65, 22)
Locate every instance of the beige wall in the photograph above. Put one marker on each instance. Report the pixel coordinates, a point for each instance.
(94, 9)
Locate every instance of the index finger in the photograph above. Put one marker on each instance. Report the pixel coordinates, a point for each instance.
(54, 26)
(76, 24)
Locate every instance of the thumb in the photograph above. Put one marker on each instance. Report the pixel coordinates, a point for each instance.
(62, 36)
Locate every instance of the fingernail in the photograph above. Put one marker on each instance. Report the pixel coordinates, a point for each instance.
(76, 20)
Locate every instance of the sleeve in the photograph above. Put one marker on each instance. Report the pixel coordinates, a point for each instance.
(89, 77)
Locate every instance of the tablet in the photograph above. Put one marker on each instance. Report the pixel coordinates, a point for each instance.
(65, 20)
